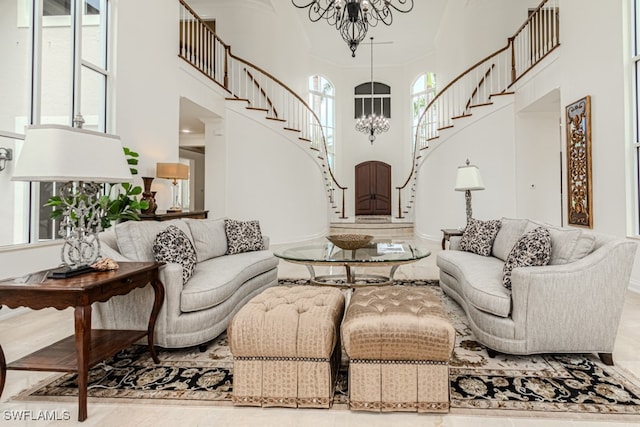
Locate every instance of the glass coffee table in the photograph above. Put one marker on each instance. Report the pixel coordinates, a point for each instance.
(376, 254)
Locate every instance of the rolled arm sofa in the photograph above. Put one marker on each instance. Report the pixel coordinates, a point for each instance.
(194, 312)
(572, 305)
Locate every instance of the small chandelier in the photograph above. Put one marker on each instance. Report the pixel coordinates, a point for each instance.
(352, 18)
(372, 124)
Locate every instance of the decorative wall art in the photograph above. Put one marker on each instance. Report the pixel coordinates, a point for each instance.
(579, 184)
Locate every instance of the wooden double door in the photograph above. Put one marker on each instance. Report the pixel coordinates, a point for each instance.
(373, 188)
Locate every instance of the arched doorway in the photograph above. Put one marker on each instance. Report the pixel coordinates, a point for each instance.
(373, 188)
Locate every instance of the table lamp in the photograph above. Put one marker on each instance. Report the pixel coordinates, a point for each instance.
(468, 179)
(84, 160)
(174, 171)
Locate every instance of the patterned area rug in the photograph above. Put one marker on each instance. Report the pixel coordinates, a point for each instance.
(544, 383)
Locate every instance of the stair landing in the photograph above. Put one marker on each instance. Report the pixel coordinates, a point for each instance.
(386, 229)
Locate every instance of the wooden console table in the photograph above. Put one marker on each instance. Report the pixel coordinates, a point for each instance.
(87, 347)
(447, 233)
(174, 215)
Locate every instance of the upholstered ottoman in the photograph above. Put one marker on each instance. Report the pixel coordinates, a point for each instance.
(399, 341)
(286, 347)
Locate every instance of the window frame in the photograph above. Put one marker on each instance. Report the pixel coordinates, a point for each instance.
(316, 94)
(635, 104)
(30, 14)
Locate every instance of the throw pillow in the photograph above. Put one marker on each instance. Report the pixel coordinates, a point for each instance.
(173, 245)
(479, 235)
(243, 236)
(532, 249)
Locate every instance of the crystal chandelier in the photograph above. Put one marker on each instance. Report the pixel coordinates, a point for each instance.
(372, 124)
(352, 18)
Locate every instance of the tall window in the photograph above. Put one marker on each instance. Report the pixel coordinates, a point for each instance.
(423, 91)
(381, 99)
(636, 100)
(322, 99)
(50, 74)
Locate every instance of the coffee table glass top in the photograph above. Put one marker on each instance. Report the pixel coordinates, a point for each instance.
(376, 252)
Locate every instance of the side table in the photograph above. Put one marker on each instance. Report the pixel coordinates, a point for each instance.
(447, 233)
(87, 347)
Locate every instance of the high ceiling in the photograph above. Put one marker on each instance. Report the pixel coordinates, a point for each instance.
(411, 36)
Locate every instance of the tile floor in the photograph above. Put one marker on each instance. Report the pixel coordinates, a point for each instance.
(24, 333)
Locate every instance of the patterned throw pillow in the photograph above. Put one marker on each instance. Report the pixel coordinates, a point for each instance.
(243, 236)
(533, 248)
(173, 245)
(479, 235)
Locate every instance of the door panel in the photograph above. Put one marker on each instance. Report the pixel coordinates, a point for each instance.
(373, 188)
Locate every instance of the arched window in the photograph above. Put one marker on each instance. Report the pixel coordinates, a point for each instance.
(423, 91)
(381, 99)
(322, 100)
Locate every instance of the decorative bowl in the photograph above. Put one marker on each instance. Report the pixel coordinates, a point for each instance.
(350, 241)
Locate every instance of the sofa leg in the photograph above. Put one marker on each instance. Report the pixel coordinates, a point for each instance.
(203, 347)
(607, 358)
(492, 353)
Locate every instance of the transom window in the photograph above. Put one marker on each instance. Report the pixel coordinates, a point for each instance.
(381, 99)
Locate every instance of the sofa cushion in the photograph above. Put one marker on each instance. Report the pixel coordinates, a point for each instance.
(567, 245)
(217, 279)
(173, 245)
(135, 238)
(510, 231)
(209, 237)
(243, 236)
(532, 249)
(480, 280)
(479, 235)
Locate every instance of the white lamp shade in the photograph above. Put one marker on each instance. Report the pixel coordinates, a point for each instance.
(469, 178)
(63, 153)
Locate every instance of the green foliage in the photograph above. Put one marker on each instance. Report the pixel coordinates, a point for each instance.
(120, 202)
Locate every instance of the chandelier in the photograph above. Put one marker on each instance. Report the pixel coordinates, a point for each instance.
(352, 18)
(372, 124)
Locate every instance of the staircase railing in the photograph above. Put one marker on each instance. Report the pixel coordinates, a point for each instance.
(491, 76)
(205, 51)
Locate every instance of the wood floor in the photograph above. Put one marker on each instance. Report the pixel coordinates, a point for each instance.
(23, 333)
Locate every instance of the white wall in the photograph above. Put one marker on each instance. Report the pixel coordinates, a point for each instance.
(146, 101)
(488, 144)
(286, 193)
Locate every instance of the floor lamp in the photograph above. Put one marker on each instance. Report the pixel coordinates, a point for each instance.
(83, 159)
(468, 179)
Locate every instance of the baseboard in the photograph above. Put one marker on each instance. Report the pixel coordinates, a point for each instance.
(429, 237)
(634, 286)
(11, 312)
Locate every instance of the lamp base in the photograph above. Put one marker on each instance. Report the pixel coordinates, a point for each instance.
(66, 272)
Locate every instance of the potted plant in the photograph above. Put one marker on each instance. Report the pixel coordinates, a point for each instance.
(120, 201)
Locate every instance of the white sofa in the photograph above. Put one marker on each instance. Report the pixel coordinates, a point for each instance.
(572, 305)
(200, 310)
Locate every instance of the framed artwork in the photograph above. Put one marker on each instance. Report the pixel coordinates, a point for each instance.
(579, 184)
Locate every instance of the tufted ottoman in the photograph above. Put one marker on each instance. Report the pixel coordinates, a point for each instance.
(286, 347)
(399, 341)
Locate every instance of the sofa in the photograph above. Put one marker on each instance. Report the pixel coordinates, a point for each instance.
(571, 305)
(199, 309)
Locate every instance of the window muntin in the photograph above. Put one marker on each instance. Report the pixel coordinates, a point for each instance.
(23, 218)
(381, 100)
(322, 102)
(423, 90)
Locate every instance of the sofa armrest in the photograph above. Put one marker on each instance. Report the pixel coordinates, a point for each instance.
(266, 241)
(170, 275)
(576, 305)
(454, 243)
